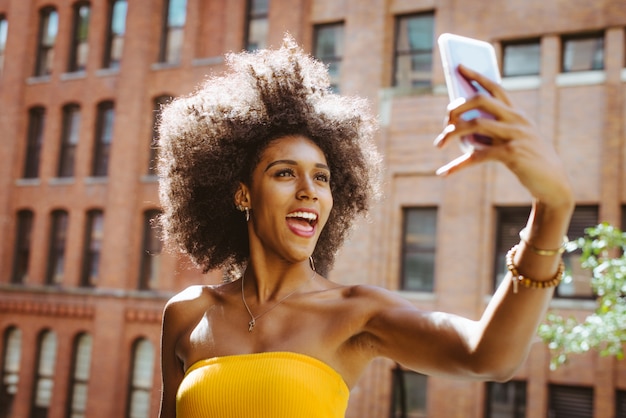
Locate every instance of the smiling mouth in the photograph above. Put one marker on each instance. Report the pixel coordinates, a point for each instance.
(302, 221)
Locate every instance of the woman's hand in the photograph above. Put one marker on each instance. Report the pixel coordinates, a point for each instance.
(516, 142)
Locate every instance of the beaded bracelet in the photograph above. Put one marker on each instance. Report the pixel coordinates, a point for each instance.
(517, 278)
(539, 251)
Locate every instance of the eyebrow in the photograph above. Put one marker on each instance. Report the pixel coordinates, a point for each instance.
(293, 162)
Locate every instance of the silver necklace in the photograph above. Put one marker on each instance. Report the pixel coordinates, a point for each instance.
(253, 318)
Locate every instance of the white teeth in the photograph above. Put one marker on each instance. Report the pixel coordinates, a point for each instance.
(305, 215)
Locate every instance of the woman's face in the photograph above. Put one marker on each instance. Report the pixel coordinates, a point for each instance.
(290, 198)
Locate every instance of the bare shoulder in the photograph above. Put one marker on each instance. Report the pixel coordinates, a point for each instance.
(191, 302)
(374, 296)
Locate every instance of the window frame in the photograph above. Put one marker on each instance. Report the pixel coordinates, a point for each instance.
(420, 249)
(333, 62)
(4, 36)
(11, 365)
(399, 405)
(22, 246)
(76, 404)
(167, 53)
(518, 43)
(411, 53)
(134, 387)
(34, 142)
(519, 389)
(114, 37)
(70, 135)
(46, 377)
(157, 107)
(79, 40)
(44, 60)
(105, 122)
(253, 17)
(598, 36)
(570, 395)
(151, 248)
(59, 226)
(92, 246)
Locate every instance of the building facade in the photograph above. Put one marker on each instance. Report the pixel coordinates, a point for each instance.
(83, 279)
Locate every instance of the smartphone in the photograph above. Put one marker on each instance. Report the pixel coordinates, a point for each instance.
(476, 55)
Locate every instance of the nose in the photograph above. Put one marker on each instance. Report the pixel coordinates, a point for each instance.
(306, 189)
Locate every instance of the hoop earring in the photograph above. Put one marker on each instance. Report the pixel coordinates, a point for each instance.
(311, 263)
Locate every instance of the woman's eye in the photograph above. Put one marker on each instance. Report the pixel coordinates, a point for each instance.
(285, 173)
(322, 177)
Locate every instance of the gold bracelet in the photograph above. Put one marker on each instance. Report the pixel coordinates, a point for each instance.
(517, 278)
(539, 251)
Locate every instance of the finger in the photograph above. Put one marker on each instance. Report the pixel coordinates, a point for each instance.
(486, 104)
(457, 164)
(491, 86)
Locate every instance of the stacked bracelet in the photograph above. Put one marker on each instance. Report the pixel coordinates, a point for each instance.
(517, 278)
(539, 251)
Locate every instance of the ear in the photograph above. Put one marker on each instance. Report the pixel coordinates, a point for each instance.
(242, 196)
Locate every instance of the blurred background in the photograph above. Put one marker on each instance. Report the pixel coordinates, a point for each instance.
(84, 277)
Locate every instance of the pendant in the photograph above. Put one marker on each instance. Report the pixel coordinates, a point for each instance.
(251, 325)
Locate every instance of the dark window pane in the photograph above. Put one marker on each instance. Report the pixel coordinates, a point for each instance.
(506, 400)
(173, 31)
(80, 48)
(620, 404)
(104, 137)
(48, 28)
(92, 247)
(414, 50)
(36, 119)
(56, 253)
(69, 140)
(409, 394)
(22, 246)
(570, 402)
(522, 59)
(418, 254)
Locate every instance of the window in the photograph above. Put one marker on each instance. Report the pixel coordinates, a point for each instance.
(79, 49)
(151, 251)
(414, 50)
(115, 33)
(521, 58)
(512, 219)
(103, 138)
(44, 375)
(409, 394)
(172, 33)
(620, 404)
(22, 246)
(56, 255)
(158, 104)
(69, 140)
(79, 378)
(418, 249)
(48, 28)
(4, 31)
(583, 52)
(329, 49)
(12, 345)
(36, 119)
(506, 400)
(92, 248)
(141, 380)
(258, 24)
(570, 402)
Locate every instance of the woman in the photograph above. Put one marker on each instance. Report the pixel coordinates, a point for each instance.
(261, 173)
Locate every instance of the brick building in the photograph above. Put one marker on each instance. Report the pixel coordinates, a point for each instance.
(83, 280)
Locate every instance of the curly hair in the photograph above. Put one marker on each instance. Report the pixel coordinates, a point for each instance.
(212, 139)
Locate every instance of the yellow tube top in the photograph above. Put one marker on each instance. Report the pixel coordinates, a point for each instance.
(262, 385)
